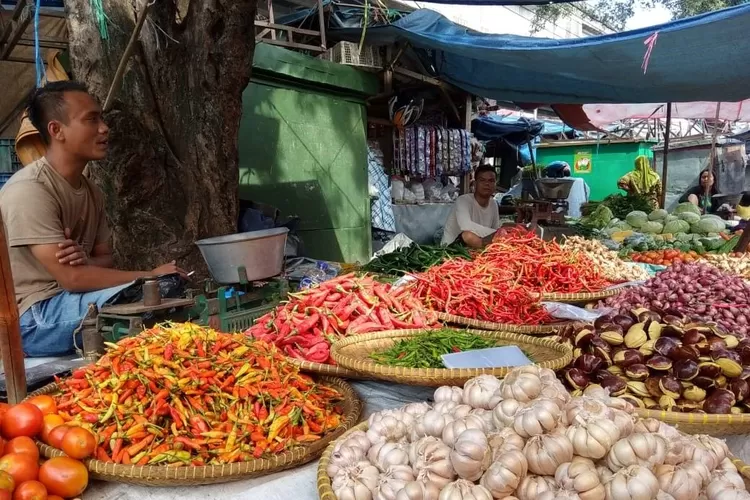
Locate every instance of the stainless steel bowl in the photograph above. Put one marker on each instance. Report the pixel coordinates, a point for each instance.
(260, 252)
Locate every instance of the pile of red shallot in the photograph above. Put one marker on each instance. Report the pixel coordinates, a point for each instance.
(697, 291)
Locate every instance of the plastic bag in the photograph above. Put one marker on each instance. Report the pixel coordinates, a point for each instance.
(397, 189)
(433, 190)
(574, 313)
(409, 196)
(418, 191)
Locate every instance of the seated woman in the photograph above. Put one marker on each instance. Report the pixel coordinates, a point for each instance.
(642, 180)
(702, 194)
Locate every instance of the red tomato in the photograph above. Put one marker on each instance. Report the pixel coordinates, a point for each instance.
(50, 422)
(22, 444)
(64, 476)
(30, 490)
(6, 482)
(7, 495)
(22, 420)
(56, 435)
(78, 443)
(45, 403)
(54, 497)
(21, 466)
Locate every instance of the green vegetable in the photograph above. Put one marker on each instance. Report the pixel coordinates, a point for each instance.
(708, 225)
(622, 205)
(637, 218)
(683, 237)
(690, 217)
(729, 245)
(414, 258)
(425, 350)
(658, 215)
(686, 207)
(652, 227)
(670, 218)
(598, 219)
(676, 227)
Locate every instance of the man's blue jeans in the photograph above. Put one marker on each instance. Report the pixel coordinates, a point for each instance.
(47, 326)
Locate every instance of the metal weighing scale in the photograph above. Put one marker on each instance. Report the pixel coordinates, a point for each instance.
(549, 208)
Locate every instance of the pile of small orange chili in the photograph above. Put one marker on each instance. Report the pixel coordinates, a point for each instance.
(181, 394)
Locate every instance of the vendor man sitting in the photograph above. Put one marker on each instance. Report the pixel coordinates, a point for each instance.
(55, 223)
(475, 216)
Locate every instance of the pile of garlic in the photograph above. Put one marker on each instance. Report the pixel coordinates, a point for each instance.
(525, 438)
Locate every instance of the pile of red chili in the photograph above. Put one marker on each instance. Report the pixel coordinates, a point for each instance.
(505, 282)
(304, 327)
(181, 394)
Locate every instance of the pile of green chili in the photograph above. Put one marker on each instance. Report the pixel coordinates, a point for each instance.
(425, 350)
(414, 258)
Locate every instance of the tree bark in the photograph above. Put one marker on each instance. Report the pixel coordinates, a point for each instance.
(171, 176)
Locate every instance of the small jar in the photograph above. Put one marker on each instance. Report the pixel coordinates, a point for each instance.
(151, 292)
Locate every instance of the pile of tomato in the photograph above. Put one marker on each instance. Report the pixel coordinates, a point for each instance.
(664, 257)
(21, 475)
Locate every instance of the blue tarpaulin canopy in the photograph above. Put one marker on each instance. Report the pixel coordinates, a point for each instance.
(514, 130)
(703, 58)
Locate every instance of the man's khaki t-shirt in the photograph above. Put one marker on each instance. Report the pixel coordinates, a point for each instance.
(37, 205)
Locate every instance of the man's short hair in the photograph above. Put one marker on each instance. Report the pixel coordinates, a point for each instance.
(484, 168)
(48, 103)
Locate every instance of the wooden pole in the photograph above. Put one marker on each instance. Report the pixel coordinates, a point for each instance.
(11, 349)
(665, 160)
(712, 154)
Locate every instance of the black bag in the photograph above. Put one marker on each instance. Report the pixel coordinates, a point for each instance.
(171, 286)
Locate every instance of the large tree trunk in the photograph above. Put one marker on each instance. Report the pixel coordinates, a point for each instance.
(171, 176)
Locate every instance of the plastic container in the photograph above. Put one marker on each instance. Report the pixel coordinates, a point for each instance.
(261, 253)
(322, 272)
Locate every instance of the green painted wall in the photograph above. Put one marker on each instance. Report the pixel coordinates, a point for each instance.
(609, 162)
(303, 149)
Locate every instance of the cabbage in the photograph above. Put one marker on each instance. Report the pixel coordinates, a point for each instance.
(677, 226)
(711, 216)
(686, 207)
(690, 217)
(684, 237)
(637, 218)
(658, 214)
(652, 227)
(670, 218)
(708, 225)
(614, 222)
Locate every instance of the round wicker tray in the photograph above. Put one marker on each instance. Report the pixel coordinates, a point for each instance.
(578, 298)
(150, 475)
(354, 353)
(702, 423)
(324, 369)
(549, 329)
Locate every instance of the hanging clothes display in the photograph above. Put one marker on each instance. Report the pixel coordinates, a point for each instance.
(427, 151)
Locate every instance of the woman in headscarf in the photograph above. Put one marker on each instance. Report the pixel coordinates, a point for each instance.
(642, 180)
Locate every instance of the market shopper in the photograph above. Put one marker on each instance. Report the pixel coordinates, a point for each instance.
(642, 180)
(702, 194)
(55, 223)
(475, 216)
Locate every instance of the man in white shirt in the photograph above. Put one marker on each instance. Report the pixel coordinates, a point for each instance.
(475, 216)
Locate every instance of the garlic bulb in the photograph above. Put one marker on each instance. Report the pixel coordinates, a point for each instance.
(355, 482)
(464, 490)
(431, 423)
(724, 490)
(342, 457)
(593, 438)
(505, 474)
(547, 452)
(637, 449)
(406, 418)
(586, 408)
(430, 461)
(727, 476)
(416, 409)
(675, 452)
(727, 464)
(579, 475)
(486, 416)
(545, 374)
(391, 481)
(471, 454)
(596, 391)
(504, 440)
(461, 411)
(388, 428)
(385, 455)
(532, 486)
(708, 450)
(453, 429)
(521, 386)
(505, 412)
(604, 473)
(625, 422)
(632, 483)
(355, 439)
(647, 425)
(418, 490)
(681, 481)
(446, 406)
(556, 392)
(482, 392)
(558, 494)
(538, 418)
(448, 393)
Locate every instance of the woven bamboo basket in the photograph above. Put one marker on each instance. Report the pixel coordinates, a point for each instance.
(324, 369)
(549, 329)
(151, 475)
(579, 298)
(702, 423)
(354, 353)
